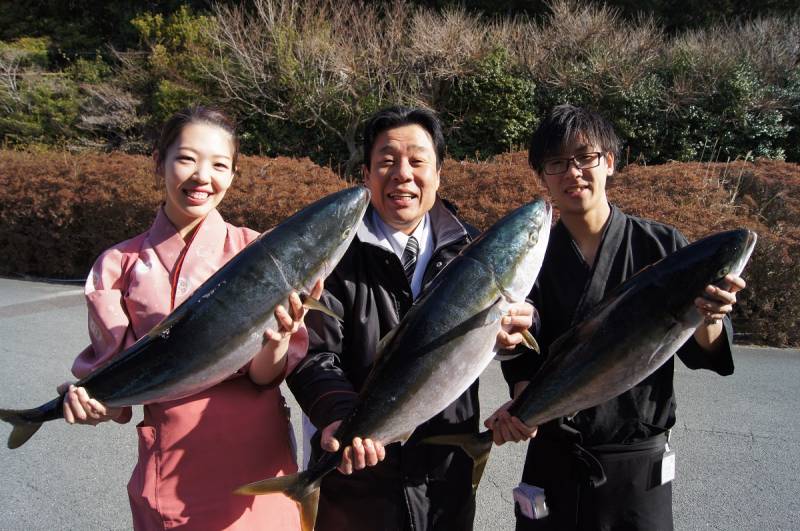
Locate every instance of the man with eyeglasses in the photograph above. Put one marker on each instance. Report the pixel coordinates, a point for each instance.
(593, 248)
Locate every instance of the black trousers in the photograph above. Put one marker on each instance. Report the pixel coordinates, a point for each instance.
(631, 498)
(419, 488)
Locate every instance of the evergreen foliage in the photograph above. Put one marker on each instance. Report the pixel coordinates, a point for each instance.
(301, 76)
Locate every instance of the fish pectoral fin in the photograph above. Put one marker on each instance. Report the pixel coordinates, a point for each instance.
(476, 445)
(529, 341)
(313, 304)
(405, 437)
(506, 354)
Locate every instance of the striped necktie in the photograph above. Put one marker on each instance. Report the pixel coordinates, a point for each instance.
(410, 258)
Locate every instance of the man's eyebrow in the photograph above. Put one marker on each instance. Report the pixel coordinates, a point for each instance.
(581, 147)
(412, 148)
(578, 148)
(415, 148)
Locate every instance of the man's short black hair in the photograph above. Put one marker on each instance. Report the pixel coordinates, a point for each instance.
(398, 116)
(566, 124)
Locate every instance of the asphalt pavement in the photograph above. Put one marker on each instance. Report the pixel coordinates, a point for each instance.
(737, 438)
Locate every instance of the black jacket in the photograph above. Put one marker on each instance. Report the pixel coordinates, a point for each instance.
(416, 486)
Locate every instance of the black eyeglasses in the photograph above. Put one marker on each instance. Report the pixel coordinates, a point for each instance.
(583, 161)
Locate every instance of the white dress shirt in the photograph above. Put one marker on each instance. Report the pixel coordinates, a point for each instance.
(396, 241)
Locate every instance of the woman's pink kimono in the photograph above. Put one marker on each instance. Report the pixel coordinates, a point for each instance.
(195, 451)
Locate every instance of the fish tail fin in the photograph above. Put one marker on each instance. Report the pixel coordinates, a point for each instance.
(308, 510)
(302, 488)
(23, 428)
(475, 445)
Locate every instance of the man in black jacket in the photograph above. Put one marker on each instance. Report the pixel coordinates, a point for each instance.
(406, 237)
(592, 249)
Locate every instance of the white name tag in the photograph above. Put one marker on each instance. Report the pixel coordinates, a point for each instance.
(668, 467)
(531, 501)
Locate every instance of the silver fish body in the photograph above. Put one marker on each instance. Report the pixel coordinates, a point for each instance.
(633, 331)
(448, 337)
(442, 344)
(218, 329)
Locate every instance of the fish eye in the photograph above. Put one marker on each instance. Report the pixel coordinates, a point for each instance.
(346, 234)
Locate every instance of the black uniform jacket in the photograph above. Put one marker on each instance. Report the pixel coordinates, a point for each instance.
(416, 486)
(566, 289)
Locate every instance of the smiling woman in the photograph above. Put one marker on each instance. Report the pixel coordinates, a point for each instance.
(196, 156)
(193, 451)
(197, 171)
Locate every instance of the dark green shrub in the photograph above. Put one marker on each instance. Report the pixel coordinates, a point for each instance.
(92, 70)
(171, 74)
(40, 109)
(745, 120)
(26, 52)
(491, 110)
(724, 96)
(790, 95)
(170, 97)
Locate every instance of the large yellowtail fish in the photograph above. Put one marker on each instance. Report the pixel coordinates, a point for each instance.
(220, 327)
(439, 348)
